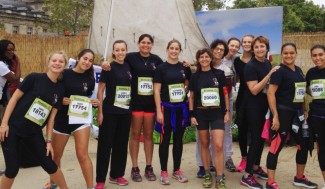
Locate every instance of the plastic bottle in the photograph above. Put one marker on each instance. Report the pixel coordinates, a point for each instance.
(305, 131)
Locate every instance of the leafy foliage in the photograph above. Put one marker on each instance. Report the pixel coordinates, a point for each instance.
(69, 15)
(212, 4)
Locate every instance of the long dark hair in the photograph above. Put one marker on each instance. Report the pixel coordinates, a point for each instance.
(90, 71)
(3, 48)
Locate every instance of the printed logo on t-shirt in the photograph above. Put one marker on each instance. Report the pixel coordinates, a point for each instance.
(215, 82)
(153, 65)
(183, 74)
(85, 87)
(55, 98)
(130, 75)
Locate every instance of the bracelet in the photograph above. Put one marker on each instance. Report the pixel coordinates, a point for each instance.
(48, 141)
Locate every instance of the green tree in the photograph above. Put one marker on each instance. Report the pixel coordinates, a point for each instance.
(69, 15)
(212, 4)
(298, 15)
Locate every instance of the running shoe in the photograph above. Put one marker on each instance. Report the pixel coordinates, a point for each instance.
(50, 186)
(135, 174)
(260, 173)
(230, 165)
(121, 181)
(201, 172)
(242, 165)
(304, 182)
(178, 175)
(212, 168)
(164, 180)
(221, 184)
(274, 185)
(207, 181)
(149, 174)
(100, 185)
(250, 182)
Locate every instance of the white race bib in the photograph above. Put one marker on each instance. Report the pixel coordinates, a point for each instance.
(210, 97)
(79, 106)
(300, 91)
(317, 89)
(176, 92)
(122, 97)
(38, 111)
(145, 86)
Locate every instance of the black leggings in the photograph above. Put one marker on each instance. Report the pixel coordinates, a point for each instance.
(286, 118)
(112, 142)
(177, 140)
(255, 118)
(317, 125)
(36, 144)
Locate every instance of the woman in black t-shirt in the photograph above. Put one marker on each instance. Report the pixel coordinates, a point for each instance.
(285, 97)
(240, 63)
(170, 83)
(33, 105)
(257, 73)
(209, 111)
(79, 82)
(114, 118)
(316, 84)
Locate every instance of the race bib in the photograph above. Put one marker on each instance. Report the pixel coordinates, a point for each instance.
(210, 97)
(300, 91)
(145, 86)
(79, 106)
(176, 92)
(122, 97)
(38, 111)
(317, 89)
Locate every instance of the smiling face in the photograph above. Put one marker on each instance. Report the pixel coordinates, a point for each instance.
(234, 46)
(289, 55)
(57, 63)
(218, 51)
(119, 52)
(10, 51)
(145, 46)
(318, 57)
(173, 51)
(246, 43)
(205, 60)
(260, 50)
(85, 61)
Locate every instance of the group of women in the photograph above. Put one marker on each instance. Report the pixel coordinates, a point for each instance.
(144, 93)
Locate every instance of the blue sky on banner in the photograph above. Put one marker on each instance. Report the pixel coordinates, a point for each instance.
(238, 22)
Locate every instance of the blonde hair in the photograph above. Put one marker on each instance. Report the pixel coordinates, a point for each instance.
(59, 53)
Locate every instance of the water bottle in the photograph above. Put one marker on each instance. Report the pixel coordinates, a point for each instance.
(305, 131)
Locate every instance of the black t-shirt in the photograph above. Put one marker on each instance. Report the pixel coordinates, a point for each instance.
(256, 71)
(286, 78)
(168, 74)
(239, 67)
(209, 79)
(35, 85)
(119, 76)
(74, 84)
(143, 67)
(317, 106)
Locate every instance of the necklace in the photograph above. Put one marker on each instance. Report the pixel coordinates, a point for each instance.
(144, 60)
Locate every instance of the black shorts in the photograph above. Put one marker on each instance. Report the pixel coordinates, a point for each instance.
(69, 128)
(143, 108)
(211, 124)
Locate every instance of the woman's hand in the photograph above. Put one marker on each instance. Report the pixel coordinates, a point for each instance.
(275, 123)
(49, 149)
(4, 130)
(186, 63)
(66, 101)
(99, 118)
(106, 66)
(274, 69)
(194, 122)
(95, 102)
(160, 117)
(226, 117)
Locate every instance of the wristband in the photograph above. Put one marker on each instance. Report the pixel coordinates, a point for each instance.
(191, 113)
(48, 141)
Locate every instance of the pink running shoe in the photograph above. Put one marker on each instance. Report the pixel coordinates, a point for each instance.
(100, 185)
(121, 181)
(242, 165)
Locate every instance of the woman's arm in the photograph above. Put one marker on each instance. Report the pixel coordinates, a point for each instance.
(272, 104)
(227, 104)
(10, 108)
(156, 90)
(256, 87)
(191, 109)
(100, 95)
(49, 132)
